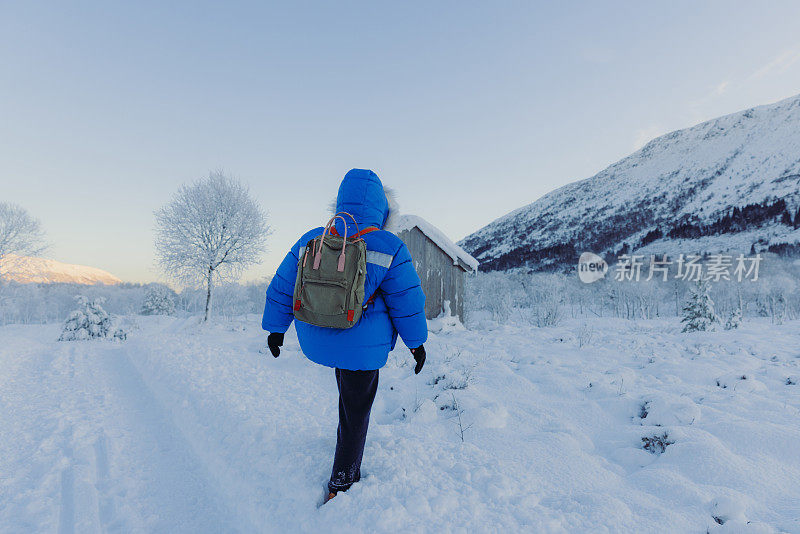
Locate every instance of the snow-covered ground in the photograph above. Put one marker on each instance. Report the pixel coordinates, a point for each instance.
(189, 429)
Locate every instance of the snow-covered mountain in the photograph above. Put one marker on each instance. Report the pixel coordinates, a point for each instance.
(25, 270)
(729, 184)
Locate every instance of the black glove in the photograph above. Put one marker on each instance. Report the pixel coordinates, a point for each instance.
(274, 342)
(419, 356)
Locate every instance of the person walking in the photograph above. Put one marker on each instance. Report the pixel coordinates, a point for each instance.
(393, 303)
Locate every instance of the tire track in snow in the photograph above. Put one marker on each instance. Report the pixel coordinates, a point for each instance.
(79, 496)
(66, 515)
(244, 429)
(104, 503)
(176, 492)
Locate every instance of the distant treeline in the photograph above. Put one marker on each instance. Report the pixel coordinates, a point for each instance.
(52, 303)
(543, 299)
(737, 220)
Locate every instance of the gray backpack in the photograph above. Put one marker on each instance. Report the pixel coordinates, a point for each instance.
(329, 289)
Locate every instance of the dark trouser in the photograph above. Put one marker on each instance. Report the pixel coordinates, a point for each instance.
(356, 392)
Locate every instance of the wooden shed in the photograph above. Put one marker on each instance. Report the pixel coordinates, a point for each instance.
(441, 264)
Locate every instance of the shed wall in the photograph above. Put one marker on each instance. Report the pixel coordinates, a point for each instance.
(441, 280)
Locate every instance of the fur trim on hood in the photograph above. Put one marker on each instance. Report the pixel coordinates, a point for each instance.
(394, 210)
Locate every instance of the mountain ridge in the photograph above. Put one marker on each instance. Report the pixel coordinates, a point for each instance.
(30, 270)
(681, 185)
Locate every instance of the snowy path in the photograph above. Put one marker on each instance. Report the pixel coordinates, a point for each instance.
(183, 429)
(101, 447)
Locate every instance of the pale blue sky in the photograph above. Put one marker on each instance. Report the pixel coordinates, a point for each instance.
(468, 109)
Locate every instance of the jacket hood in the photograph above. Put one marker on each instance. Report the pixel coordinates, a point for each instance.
(362, 195)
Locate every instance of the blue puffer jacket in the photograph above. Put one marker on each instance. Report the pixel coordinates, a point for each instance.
(399, 305)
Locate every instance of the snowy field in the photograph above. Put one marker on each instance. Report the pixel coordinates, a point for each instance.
(189, 429)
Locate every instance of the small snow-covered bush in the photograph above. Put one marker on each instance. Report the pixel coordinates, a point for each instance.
(734, 319)
(698, 313)
(777, 307)
(501, 305)
(656, 444)
(90, 321)
(585, 335)
(158, 300)
(549, 313)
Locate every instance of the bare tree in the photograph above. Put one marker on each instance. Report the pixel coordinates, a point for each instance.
(210, 231)
(20, 235)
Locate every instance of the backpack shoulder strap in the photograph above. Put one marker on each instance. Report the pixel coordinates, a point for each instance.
(357, 234)
(366, 230)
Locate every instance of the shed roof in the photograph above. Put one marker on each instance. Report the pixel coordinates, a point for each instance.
(407, 222)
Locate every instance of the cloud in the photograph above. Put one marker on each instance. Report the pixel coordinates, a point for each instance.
(779, 64)
(721, 88)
